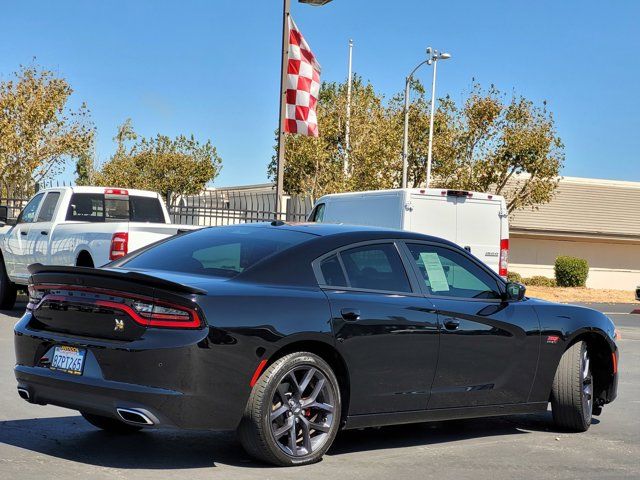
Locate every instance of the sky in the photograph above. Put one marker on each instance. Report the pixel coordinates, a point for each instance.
(212, 68)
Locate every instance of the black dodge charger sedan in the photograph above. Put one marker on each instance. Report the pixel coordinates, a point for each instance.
(290, 332)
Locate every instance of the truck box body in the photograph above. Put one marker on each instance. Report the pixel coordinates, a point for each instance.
(476, 221)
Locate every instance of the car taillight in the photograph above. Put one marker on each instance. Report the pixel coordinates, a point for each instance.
(170, 316)
(119, 245)
(35, 295)
(504, 258)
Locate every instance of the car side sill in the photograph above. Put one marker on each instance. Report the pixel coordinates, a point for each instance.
(415, 416)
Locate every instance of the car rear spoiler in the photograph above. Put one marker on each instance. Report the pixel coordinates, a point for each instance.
(37, 269)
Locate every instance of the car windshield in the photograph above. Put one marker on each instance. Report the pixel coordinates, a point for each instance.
(217, 251)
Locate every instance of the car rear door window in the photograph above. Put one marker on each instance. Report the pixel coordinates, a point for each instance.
(448, 273)
(375, 267)
(48, 207)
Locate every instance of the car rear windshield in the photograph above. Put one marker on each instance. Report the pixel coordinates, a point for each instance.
(98, 207)
(217, 251)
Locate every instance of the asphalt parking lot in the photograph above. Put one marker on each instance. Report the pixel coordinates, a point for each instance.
(40, 442)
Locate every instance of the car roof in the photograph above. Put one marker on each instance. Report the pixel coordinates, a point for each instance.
(324, 238)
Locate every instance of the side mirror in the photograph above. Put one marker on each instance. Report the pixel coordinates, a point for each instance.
(514, 292)
(4, 213)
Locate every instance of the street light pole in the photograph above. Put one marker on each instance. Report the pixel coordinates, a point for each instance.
(432, 58)
(348, 120)
(433, 104)
(405, 142)
(405, 137)
(435, 56)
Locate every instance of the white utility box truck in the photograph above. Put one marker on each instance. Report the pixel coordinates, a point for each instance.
(476, 221)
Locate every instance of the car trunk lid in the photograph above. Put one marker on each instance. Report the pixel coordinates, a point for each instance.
(108, 303)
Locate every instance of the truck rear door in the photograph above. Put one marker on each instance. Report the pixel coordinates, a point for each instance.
(434, 215)
(478, 229)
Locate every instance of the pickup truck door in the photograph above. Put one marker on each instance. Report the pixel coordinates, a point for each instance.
(38, 238)
(16, 247)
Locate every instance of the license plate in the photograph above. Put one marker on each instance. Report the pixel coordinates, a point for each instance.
(68, 359)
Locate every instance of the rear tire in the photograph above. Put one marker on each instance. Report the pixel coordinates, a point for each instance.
(293, 413)
(8, 290)
(572, 392)
(108, 424)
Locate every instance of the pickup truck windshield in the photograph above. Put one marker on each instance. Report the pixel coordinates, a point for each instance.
(219, 251)
(97, 207)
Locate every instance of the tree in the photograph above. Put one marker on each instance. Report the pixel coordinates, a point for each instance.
(38, 132)
(492, 143)
(181, 165)
(488, 143)
(314, 166)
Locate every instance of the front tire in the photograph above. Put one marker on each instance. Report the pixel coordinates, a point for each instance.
(108, 424)
(8, 290)
(572, 392)
(293, 413)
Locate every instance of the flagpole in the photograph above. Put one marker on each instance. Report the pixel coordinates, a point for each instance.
(283, 106)
(348, 120)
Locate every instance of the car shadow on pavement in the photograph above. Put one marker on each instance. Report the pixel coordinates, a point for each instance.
(72, 438)
(431, 433)
(16, 312)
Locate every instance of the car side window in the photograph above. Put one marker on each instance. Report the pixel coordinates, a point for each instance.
(318, 213)
(28, 214)
(375, 267)
(86, 207)
(332, 272)
(448, 273)
(48, 207)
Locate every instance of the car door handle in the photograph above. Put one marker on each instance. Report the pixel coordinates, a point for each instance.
(44, 232)
(22, 232)
(349, 314)
(451, 324)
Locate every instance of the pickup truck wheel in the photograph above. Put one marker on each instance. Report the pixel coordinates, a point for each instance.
(84, 260)
(8, 290)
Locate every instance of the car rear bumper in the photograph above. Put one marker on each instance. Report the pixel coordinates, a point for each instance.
(100, 397)
(168, 375)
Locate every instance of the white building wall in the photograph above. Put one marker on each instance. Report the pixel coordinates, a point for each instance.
(611, 265)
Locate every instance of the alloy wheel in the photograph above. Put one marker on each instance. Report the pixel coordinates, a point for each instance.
(587, 386)
(302, 411)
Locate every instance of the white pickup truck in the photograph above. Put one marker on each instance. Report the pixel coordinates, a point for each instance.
(81, 226)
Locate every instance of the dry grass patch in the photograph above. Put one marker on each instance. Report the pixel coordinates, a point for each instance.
(581, 295)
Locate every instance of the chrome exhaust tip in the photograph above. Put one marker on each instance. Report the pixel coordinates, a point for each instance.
(24, 394)
(131, 415)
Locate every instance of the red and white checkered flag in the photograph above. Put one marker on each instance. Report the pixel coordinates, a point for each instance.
(303, 86)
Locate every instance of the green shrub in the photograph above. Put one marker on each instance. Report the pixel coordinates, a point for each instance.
(571, 271)
(514, 277)
(539, 281)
